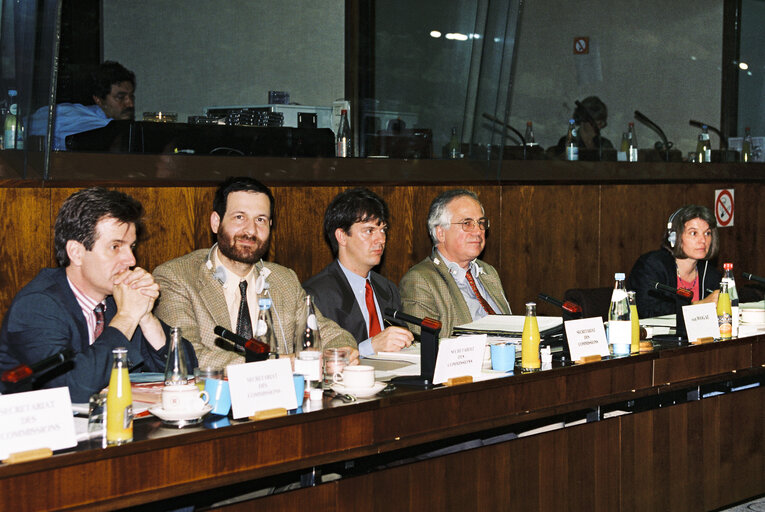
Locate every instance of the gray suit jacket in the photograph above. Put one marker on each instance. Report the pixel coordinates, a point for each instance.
(428, 289)
(333, 296)
(192, 298)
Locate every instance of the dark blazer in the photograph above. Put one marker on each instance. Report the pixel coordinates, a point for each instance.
(660, 266)
(333, 296)
(45, 318)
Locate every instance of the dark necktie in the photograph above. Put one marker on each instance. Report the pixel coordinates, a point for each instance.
(99, 311)
(484, 304)
(374, 322)
(243, 321)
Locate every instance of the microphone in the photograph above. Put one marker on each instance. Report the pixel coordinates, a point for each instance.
(665, 144)
(23, 372)
(255, 350)
(753, 277)
(568, 306)
(427, 323)
(500, 121)
(680, 292)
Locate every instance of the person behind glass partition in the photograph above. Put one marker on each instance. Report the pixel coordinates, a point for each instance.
(590, 116)
(690, 241)
(112, 90)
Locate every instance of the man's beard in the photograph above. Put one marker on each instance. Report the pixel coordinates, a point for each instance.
(230, 250)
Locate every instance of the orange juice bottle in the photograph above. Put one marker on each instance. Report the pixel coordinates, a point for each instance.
(724, 314)
(530, 340)
(635, 345)
(119, 401)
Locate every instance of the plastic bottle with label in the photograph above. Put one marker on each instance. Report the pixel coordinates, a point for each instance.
(10, 125)
(746, 146)
(704, 146)
(619, 319)
(119, 401)
(529, 135)
(572, 144)
(530, 360)
(724, 313)
(344, 146)
(632, 146)
(734, 303)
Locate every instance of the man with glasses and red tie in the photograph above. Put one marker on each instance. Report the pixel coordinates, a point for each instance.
(94, 302)
(452, 285)
(348, 291)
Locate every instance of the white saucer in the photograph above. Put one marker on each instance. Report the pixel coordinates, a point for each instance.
(180, 418)
(359, 392)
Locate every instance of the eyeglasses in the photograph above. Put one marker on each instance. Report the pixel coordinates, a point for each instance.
(470, 224)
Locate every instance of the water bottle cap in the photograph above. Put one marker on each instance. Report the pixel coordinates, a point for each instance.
(728, 266)
(619, 276)
(571, 121)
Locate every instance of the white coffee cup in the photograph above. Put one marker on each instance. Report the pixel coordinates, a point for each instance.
(360, 376)
(185, 397)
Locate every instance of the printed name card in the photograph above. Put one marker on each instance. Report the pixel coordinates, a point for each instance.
(459, 357)
(701, 321)
(586, 337)
(36, 419)
(261, 386)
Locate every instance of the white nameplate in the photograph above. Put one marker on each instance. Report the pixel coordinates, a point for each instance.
(36, 419)
(459, 357)
(260, 386)
(701, 321)
(586, 337)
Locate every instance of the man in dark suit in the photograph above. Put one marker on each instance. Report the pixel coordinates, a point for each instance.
(93, 303)
(348, 291)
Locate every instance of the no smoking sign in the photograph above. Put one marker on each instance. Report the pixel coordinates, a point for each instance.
(724, 207)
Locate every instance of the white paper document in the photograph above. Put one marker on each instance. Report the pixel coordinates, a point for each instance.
(508, 324)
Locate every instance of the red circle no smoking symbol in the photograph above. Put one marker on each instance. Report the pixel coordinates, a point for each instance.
(724, 208)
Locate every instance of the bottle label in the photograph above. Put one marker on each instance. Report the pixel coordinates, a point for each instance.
(726, 325)
(572, 153)
(127, 420)
(261, 328)
(620, 333)
(311, 322)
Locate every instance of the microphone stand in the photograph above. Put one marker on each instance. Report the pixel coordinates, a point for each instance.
(594, 125)
(430, 329)
(499, 121)
(665, 144)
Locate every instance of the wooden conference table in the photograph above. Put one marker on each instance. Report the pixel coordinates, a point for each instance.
(678, 448)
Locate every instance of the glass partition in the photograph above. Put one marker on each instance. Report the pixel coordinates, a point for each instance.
(435, 79)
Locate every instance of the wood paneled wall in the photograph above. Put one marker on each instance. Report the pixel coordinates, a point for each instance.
(543, 238)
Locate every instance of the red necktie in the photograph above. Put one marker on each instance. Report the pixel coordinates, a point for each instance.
(484, 304)
(99, 311)
(374, 322)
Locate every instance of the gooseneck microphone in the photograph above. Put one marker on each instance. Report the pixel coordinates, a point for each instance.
(680, 292)
(23, 372)
(753, 277)
(500, 121)
(254, 350)
(568, 306)
(427, 323)
(665, 145)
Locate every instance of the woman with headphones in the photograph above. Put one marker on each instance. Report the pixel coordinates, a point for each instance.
(690, 241)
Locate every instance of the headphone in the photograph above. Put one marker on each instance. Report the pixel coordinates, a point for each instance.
(260, 285)
(671, 233)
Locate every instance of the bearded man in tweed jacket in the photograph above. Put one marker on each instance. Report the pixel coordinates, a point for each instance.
(452, 285)
(205, 288)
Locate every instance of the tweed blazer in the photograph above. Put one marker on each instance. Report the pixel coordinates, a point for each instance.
(428, 289)
(192, 298)
(334, 297)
